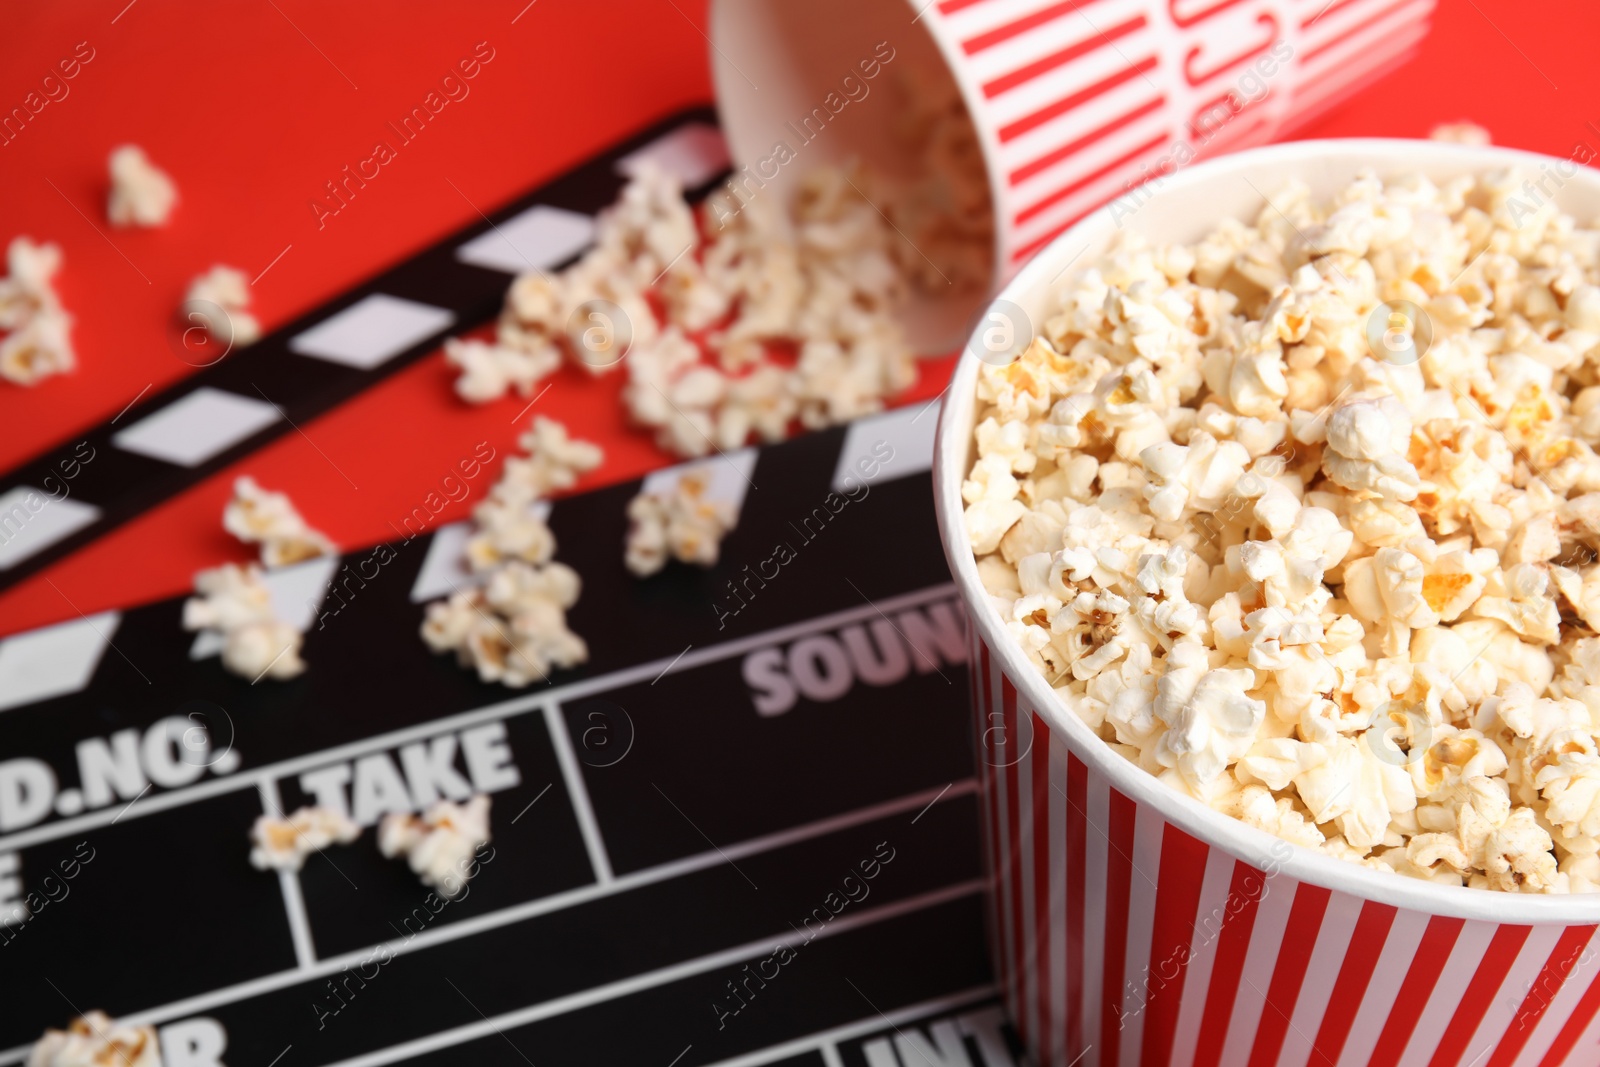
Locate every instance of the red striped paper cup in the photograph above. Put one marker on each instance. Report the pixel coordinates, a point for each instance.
(1075, 102)
(1133, 925)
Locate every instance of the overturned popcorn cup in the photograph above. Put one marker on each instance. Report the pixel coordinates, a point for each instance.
(1131, 924)
(1071, 105)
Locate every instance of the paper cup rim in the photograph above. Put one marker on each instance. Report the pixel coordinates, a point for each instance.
(1198, 819)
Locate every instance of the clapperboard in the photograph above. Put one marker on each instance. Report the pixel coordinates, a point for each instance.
(745, 832)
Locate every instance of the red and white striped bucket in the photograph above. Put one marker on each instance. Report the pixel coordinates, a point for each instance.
(1074, 101)
(1133, 925)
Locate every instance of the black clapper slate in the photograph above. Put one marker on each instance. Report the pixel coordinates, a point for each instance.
(125, 484)
(633, 875)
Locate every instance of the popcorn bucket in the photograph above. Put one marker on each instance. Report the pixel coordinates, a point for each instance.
(1131, 924)
(1073, 103)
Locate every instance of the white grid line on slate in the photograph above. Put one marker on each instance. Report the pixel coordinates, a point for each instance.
(652, 979)
(294, 905)
(578, 792)
(505, 709)
(209, 1001)
(827, 1042)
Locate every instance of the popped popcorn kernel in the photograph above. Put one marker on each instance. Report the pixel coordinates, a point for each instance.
(258, 516)
(142, 194)
(95, 1040)
(440, 844)
(512, 629)
(34, 328)
(234, 603)
(684, 524)
(284, 843)
(1331, 573)
(37, 349)
(229, 289)
(704, 307)
(555, 459)
(490, 371)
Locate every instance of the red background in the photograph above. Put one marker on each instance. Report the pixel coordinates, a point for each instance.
(252, 106)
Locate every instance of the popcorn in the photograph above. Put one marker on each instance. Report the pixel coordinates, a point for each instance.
(1386, 589)
(26, 289)
(1570, 785)
(283, 844)
(256, 516)
(1368, 437)
(682, 523)
(992, 504)
(508, 531)
(760, 402)
(825, 283)
(489, 371)
(35, 342)
(514, 630)
(1276, 761)
(37, 349)
(1581, 591)
(441, 843)
(609, 312)
(946, 213)
(234, 603)
(555, 460)
(1517, 856)
(1210, 720)
(1357, 789)
(229, 290)
(694, 300)
(670, 390)
(94, 1040)
(514, 650)
(1193, 477)
(650, 225)
(1520, 598)
(1278, 816)
(537, 303)
(836, 382)
(141, 193)
(595, 311)
(1340, 593)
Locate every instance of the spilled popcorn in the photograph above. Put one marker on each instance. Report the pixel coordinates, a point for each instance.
(441, 843)
(489, 371)
(683, 523)
(513, 628)
(736, 289)
(553, 463)
(283, 844)
(1279, 550)
(141, 193)
(34, 341)
(94, 1040)
(258, 516)
(829, 292)
(235, 603)
(229, 290)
